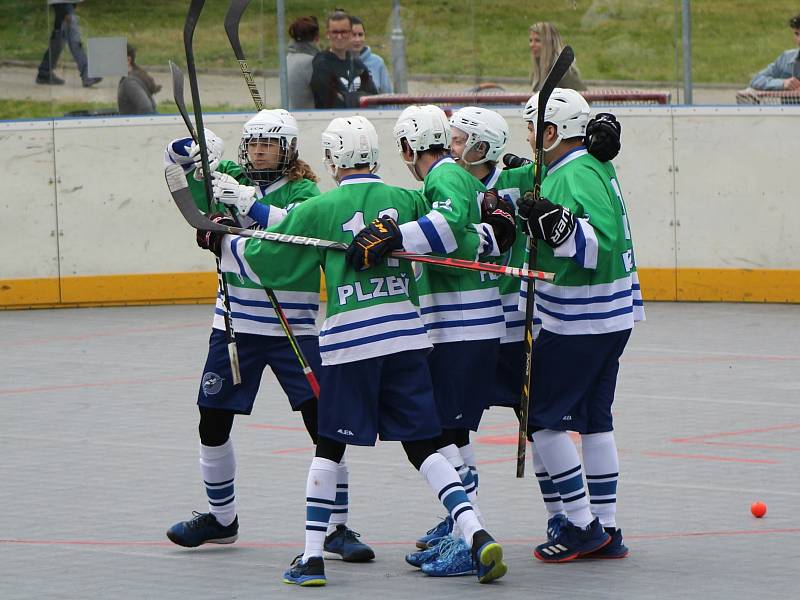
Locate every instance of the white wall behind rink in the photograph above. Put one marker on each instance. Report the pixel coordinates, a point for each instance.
(705, 187)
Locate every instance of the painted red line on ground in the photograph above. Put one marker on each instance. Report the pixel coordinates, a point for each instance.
(275, 427)
(738, 432)
(512, 439)
(115, 333)
(291, 450)
(741, 445)
(711, 458)
(410, 543)
(110, 383)
(709, 359)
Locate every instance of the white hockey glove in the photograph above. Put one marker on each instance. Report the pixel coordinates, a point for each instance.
(216, 147)
(228, 191)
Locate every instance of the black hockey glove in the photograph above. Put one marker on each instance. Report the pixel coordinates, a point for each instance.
(512, 161)
(373, 243)
(546, 221)
(499, 213)
(603, 136)
(212, 240)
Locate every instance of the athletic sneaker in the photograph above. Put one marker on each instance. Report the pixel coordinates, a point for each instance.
(441, 529)
(487, 556)
(453, 559)
(417, 559)
(344, 542)
(572, 542)
(203, 528)
(306, 574)
(614, 549)
(554, 525)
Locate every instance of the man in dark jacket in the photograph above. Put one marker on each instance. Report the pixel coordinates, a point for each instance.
(339, 79)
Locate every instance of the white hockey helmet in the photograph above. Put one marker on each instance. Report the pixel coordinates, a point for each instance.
(566, 109)
(348, 142)
(481, 126)
(423, 127)
(276, 124)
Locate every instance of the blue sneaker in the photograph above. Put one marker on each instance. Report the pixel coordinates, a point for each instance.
(203, 528)
(443, 528)
(454, 559)
(344, 542)
(554, 525)
(616, 548)
(572, 542)
(487, 557)
(417, 559)
(306, 574)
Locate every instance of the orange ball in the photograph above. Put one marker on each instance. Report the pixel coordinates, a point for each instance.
(759, 509)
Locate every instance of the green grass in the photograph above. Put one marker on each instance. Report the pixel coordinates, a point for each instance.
(32, 109)
(613, 39)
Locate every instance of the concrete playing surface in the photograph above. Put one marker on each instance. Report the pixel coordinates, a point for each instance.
(98, 456)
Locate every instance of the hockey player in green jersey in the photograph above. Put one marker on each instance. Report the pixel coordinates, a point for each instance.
(587, 315)
(268, 180)
(375, 379)
(462, 312)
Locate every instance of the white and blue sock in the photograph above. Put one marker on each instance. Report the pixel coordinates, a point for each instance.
(341, 508)
(218, 467)
(320, 500)
(453, 456)
(550, 495)
(560, 458)
(447, 486)
(468, 454)
(601, 461)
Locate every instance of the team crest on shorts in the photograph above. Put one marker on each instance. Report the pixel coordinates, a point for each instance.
(211, 384)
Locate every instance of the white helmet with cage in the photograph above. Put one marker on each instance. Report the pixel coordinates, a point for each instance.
(267, 125)
(481, 126)
(566, 109)
(349, 142)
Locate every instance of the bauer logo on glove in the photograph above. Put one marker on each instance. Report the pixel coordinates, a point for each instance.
(546, 221)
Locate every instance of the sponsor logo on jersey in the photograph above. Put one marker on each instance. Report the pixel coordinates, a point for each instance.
(211, 383)
(344, 432)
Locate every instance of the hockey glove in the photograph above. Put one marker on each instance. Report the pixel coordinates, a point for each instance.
(512, 161)
(373, 243)
(546, 221)
(602, 136)
(499, 213)
(229, 192)
(212, 240)
(215, 146)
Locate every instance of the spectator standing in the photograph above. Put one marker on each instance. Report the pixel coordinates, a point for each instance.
(373, 62)
(545, 44)
(65, 29)
(339, 78)
(304, 32)
(136, 90)
(784, 73)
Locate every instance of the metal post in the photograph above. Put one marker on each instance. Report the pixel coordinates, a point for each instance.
(686, 20)
(398, 51)
(283, 70)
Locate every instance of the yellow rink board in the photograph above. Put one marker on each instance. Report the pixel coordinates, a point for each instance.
(694, 285)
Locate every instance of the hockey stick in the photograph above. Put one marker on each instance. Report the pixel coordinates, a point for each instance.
(232, 19)
(176, 180)
(560, 67)
(192, 16)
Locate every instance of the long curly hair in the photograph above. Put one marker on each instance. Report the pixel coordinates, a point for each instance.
(299, 169)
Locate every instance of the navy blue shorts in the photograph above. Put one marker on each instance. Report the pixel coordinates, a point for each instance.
(509, 375)
(574, 378)
(463, 380)
(390, 396)
(255, 353)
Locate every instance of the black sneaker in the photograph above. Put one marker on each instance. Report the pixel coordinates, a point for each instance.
(90, 81)
(51, 80)
(306, 574)
(203, 528)
(344, 542)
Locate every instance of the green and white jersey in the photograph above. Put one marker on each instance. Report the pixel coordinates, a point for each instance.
(596, 287)
(455, 305)
(251, 310)
(369, 313)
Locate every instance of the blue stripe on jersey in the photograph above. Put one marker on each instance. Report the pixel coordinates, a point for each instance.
(469, 305)
(429, 229)
(235, 252)
(259, 212)
(268, 304)
(372, 338)
(638, 302)
(368, 323)
(591, 300)
(589, 317)
(272, 320)
(580, 245)
(466, 322)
